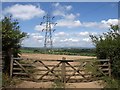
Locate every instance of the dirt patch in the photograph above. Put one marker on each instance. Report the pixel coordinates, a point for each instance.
(84, 85)
(30, 84)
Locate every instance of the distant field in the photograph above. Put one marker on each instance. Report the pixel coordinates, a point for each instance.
(53, 57)
(72, 51)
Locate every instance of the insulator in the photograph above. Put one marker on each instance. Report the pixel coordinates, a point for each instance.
(43, 17)
(53, 17)
(54, 30)
(55, 24)
(43, 30)
(41, 23)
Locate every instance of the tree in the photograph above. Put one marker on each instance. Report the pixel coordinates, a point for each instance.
(108, 46)
(11, 40)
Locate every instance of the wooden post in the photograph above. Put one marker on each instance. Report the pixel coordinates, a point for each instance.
(63, 71)
(109, 67)
(11, 66)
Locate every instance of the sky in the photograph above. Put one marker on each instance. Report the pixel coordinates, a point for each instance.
(60, 0)
(75, 21)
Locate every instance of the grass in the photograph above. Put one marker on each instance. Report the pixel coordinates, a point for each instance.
(107, 82)
(9, 82)
(110, 82)
(26, 51)
(58, 84)
(58, 52)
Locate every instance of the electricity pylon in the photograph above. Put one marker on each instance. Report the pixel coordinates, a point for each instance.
(48, 43)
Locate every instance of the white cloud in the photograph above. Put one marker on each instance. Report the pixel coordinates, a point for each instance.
(78, 14)
(69, 7)
(39, 27)
(95, 25)
(61, 9)
(42, 27)
(61, 39)
(110, 21)
(102, 24)
(93, 33)
(68, 19)
(61, 34)
(24, 12)
(36, 36)
(70, 16)
(86, 39)
(1, 17)
(68, 23)
(70, 40)
(89, 24)
(84, 33)
(34, 40)
(80, 39)
(58, 13)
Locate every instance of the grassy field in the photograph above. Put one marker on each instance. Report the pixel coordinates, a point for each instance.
(61, 51)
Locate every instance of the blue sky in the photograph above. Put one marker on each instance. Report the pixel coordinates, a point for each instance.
(75, 21)
(60, 1)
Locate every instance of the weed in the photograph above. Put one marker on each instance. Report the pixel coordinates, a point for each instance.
(110, 83)
(58, 84)
(9, 82)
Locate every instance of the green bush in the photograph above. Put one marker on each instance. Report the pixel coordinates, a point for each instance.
(11, 41)
(108, 46)
(36, 51)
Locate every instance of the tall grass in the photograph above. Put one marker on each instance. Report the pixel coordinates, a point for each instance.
(109, 82)
(105, 81)
(9, 82)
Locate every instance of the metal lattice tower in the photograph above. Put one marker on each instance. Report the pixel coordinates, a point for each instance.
(48, 30)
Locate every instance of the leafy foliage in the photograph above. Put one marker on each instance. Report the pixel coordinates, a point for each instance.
(11, 40)
(110, 83)
(108, 46)
(11, 34)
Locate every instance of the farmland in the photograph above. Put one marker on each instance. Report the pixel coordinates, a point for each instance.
(30, 84)
(53, 57)
(61, 51)
(57, 54)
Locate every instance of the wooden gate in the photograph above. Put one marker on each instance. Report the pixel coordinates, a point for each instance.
(62, 70)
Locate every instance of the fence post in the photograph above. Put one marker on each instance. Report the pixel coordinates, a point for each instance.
(11, 66)
(63, 72)
(109, 64)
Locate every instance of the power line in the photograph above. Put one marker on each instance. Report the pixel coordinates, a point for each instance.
(48, 43)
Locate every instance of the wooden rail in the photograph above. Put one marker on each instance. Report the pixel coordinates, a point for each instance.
(62, 70)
